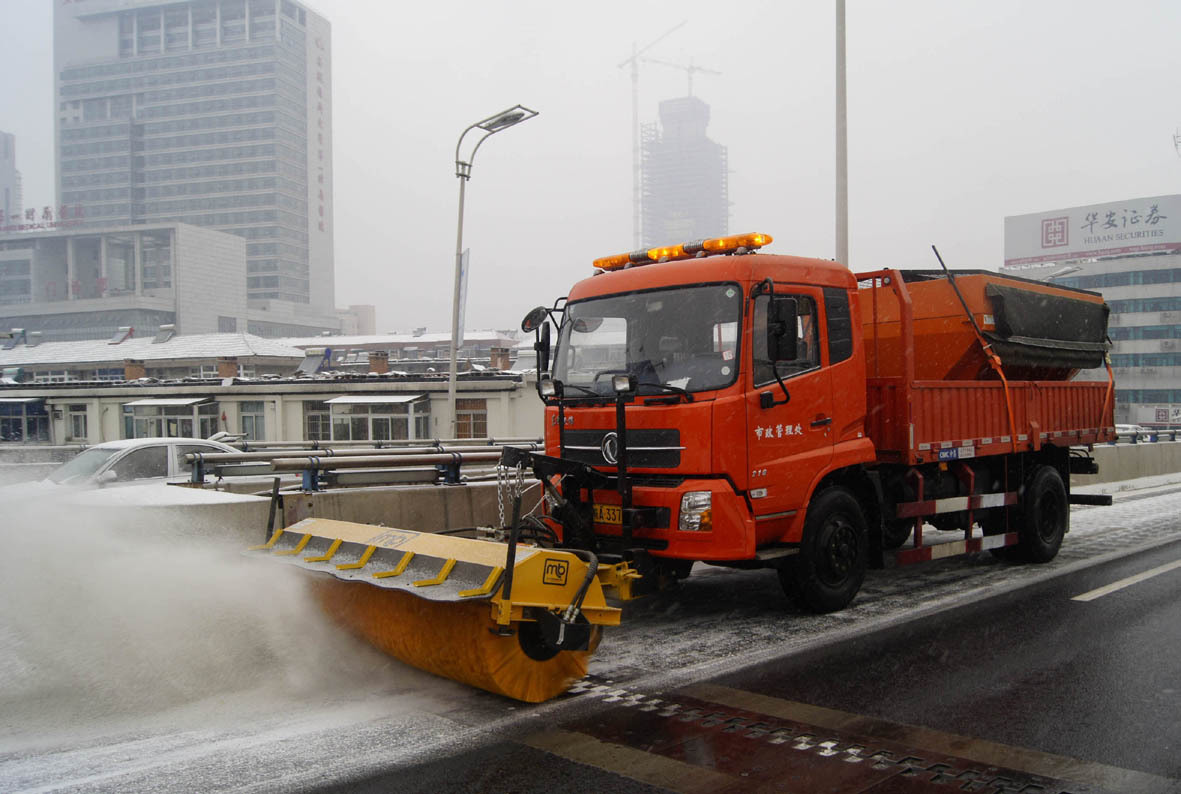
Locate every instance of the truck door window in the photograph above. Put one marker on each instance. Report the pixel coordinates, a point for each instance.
(839, 324)
(807, 344)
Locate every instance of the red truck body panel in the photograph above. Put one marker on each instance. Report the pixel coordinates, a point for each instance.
(868, 410)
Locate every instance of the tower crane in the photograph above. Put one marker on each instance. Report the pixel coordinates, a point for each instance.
(634, 62)
(689, 70)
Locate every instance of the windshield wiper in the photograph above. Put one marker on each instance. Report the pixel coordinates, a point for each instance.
(668, 389)
(585, 390)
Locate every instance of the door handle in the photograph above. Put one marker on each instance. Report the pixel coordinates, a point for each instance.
(822, 422)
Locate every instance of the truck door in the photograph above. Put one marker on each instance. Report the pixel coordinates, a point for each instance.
(791, 440)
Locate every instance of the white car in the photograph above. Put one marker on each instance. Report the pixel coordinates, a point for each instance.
(132, 461)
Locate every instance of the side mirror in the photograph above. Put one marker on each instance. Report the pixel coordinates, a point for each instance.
(782, 322)
(534, 319)
(542, 348)
(106, 477)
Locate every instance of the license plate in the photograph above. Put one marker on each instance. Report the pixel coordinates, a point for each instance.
(608, 514)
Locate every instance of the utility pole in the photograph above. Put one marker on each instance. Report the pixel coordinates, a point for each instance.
(842, 131)
(634, 62)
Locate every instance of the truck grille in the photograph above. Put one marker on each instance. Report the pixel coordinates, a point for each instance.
(655, 449)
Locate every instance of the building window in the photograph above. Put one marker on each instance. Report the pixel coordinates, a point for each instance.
(380, 421)
(76, 423)
(253, 418)
(24, 421)
(227, 325)
(171, 421)
(317, 421)
(471, 418)
(371, 422)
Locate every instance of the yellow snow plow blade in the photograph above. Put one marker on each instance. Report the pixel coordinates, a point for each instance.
(437, 602)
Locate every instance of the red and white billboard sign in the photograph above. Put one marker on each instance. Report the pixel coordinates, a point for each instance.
(1126, 227)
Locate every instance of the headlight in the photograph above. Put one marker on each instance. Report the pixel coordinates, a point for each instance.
(696, 512)
(623, 383)
(548, 388)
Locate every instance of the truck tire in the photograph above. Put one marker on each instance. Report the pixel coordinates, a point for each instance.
(1045, 515)
(829, 570)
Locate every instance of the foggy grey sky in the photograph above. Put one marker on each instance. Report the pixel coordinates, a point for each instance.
(959, 113)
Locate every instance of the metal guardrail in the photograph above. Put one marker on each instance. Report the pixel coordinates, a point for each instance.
(248, 446)
(1148, 436)
(357, 466)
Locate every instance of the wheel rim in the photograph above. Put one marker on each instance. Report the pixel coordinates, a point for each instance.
(1049, 517)
(840, 550)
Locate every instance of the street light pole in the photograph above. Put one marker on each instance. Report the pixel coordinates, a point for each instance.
(463, 170)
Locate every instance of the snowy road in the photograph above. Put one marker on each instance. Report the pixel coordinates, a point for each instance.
(143, 664)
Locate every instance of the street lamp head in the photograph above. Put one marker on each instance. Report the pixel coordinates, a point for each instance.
(506, 118)
(500, 122)
(1066, 271)
(489, 127)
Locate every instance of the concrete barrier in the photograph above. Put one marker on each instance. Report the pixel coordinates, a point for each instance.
(426, 508)
(1121, 462)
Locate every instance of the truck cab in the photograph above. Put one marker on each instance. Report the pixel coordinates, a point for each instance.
(743, 387)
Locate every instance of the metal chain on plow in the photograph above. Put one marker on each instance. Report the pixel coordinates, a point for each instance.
(507, 485)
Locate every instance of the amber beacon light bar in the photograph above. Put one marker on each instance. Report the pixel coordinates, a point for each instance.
(734, 244)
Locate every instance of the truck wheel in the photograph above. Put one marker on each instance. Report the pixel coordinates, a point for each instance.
(1045, 515)
(828, 571)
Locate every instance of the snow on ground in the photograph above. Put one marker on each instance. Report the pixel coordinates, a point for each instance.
(104, 630)
(144, 661)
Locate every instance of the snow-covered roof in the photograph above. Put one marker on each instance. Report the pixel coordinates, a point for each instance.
(393, 339)
(192, 346)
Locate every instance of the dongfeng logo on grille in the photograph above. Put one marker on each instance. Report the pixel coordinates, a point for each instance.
(610, 448)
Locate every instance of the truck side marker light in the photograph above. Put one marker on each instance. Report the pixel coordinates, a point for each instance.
(298, 547)
(398, 569)
(485, 588)
(270, 544)
(326, 556)
(361, 563)
(444, 572)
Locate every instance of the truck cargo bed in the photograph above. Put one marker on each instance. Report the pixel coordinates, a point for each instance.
(925, 421)
(920, 345)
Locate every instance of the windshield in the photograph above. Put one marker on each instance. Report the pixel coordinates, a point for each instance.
(85, 464)
(684, 338)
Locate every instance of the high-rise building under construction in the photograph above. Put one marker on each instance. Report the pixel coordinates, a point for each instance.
(684, 176)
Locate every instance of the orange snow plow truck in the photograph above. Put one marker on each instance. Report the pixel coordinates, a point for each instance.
(709, 403)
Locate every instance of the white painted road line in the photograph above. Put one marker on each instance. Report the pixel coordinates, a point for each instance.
(1122, 583)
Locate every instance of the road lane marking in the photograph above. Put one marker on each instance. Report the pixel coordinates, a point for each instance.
(1091, 595)
(980, 751)
(650, 768)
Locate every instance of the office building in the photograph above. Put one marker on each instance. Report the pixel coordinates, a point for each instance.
(1130, 251)
(71, 284)
(214, 113)
(683, 177)
(359, 319)
(10, 182)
